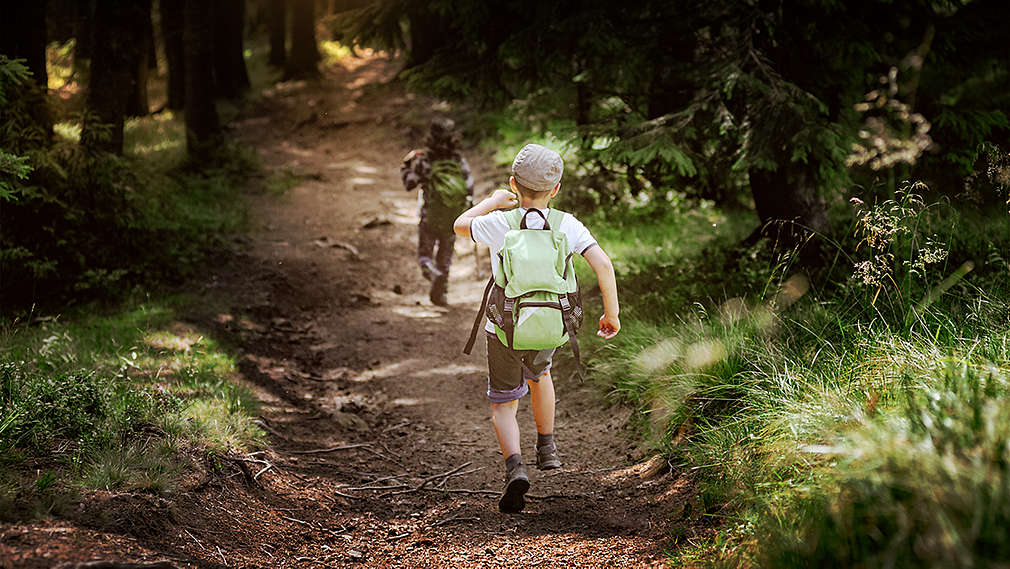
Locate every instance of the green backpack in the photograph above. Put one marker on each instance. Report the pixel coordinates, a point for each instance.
(533, 296)
(446, 193)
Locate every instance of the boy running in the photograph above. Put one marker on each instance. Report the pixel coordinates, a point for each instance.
(437, 169)
(536, 178)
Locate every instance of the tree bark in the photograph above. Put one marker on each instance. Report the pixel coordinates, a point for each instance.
(203, 128)
(790, 209)
(171, 30)
(277, 12)
(116, 43)
(231, 78)
(304, 57)
(83, 36)
(138, 104)
(427, 33)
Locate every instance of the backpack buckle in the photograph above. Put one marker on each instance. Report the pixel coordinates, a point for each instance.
(563, 300)
(509, 304)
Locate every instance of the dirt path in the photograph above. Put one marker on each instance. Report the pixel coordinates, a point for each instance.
(331, 321)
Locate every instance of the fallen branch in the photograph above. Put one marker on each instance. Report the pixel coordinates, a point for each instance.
(384, 457)
(425, 482)
(263, 425)
(265, 468)
(194, 539)
(397, 537)
(464, 473)
(297, 521)
(331, 449)
(117, 565)
(392, 487)
(452, 519)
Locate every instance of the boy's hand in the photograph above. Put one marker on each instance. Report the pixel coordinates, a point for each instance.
(503, 199)
(609, 326)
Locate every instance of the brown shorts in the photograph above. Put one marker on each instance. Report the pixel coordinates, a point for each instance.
(509, 370)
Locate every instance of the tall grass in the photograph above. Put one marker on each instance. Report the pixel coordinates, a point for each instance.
(831, 418)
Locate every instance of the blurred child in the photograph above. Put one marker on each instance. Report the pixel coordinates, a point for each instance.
(443, 176)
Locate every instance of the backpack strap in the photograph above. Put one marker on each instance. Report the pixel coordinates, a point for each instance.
(568, 318)
(513, 217)
(522, 224)
(480, 317)
(554, 218)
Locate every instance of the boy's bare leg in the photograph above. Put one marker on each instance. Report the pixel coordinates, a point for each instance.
(542, 393)
(517, 482)
(503, 415)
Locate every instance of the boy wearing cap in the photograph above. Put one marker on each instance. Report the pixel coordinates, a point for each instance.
(536, 179)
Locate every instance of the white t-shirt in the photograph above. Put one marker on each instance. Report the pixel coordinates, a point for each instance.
(490, 230)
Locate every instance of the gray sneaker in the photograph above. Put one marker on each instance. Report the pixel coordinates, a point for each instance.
(547, 457)
(517, 482)
(430, 271)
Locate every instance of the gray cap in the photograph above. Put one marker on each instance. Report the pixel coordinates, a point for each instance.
(538, 168)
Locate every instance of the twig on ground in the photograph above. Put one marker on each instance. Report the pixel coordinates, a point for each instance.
(297, 521)
(117, 565)
(223, 560)
(339, 493)
(265, 468)
(331, 449)
(261, 423)
(396, 426)
(464, 473)
(398, 537)
(384, 457)
(391, 487)
(425, 482)
(241, 462)
(198, 542)
(453, 519)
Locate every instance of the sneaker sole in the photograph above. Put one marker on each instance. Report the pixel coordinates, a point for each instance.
(512, 500)
(549, 465)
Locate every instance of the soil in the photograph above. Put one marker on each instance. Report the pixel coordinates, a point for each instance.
(328, 315)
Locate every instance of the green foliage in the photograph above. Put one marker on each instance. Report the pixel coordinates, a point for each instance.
(84, 225)
(924, 486)
(691, 96)
(60, 412)
(116, 400)
(752, 377)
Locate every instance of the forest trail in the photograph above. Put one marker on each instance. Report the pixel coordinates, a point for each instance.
(332, 327)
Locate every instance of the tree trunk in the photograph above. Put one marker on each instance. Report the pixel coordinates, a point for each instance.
(277, 12)
(138, 105)
(304, 58)
(23, 36)
(83, 36)
(427, 33)
(230, 76)
(789, 207)
(171, 31)
(116, 43)
(203, 129)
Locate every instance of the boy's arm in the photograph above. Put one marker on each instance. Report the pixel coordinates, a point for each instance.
(501, 199)
(408, 170)
(468, 176)
(610, 324)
